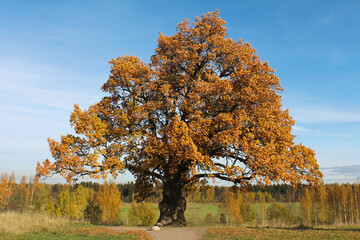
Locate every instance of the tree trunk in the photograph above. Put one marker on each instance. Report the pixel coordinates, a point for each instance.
(173, 205)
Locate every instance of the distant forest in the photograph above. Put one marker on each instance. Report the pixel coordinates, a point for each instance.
(100, 203)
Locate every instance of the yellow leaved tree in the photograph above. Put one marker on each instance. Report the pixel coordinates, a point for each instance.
(109, 201)
(7, 185)
(205, 106)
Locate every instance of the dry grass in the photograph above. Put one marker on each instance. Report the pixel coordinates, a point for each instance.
(106, 231)
(299, 233)
(18, 223)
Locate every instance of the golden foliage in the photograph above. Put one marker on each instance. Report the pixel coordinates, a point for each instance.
(142, 213)
(7, 185)
(109, 200)
(204, 107)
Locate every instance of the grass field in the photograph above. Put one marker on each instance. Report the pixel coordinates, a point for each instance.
(195, 212)
(35, 226)
(242, 233)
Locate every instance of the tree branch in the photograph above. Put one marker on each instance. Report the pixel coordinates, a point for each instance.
(146, 172)
(222, 177)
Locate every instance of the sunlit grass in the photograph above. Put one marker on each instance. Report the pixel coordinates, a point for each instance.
(18, 223)
(249, 233)
(31, 226)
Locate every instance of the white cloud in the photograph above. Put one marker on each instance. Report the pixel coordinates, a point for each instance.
(317, 114)
(22, 95)
(10, 152)
(349, 173)
(301, 129)
(35, 103)
(32, 90)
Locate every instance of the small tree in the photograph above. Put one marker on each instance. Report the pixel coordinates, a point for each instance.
(42, 197)
(263, 208)
(278, 213)
(6, 189)
(209, 219)
(222, 219)
(322, 207)
(109, 200)
(307, 207)
(80, 197)
(17, 200)
(241, 207)
(65, 206)
(93, 211)
(142, 213)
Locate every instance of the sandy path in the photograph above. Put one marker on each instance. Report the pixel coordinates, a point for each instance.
(169, 233)
(178, 233)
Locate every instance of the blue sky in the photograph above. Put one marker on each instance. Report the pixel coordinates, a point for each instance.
(55, 53)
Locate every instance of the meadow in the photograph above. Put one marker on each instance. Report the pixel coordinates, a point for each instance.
(36, 226)
(195, 213)
(85, 211)
(300, 233)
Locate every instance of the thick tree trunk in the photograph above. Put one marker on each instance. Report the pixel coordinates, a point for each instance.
(173, 205)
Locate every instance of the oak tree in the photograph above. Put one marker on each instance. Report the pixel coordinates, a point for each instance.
(205, 106)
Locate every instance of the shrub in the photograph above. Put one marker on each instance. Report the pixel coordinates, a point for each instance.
(279, 213)
(209, 219)
(222, 219)
(142, 214)
(241, 208)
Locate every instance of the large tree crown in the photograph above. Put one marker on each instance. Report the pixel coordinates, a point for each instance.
(205, 106)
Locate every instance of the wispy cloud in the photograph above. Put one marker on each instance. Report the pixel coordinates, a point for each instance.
(35, 102)
(10, 153)
(317, 114)
(300, 130)
(22, 95)
(33, 88)
(350, 173)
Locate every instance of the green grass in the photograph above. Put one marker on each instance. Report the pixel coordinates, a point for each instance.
(195, 212)
(243, 233)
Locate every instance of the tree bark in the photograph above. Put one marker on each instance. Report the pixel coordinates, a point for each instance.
(173, 205)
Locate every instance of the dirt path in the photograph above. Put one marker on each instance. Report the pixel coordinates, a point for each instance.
(169, 233)
(178, 233)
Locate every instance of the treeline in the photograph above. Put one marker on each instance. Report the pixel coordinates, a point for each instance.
(100, 203)
(328, 204)
(94, 202)
(100, 206)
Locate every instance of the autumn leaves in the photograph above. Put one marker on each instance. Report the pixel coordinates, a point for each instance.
(205, 106)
